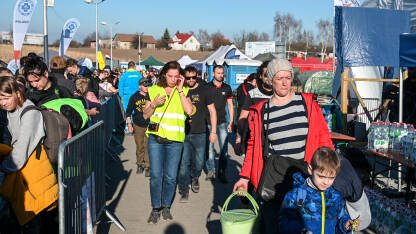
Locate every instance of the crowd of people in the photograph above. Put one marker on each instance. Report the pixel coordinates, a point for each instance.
(302, 184)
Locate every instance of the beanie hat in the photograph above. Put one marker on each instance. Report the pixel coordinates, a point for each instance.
(277, 65)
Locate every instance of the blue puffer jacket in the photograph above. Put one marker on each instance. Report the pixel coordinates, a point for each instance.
(128, 85)
(307, 208)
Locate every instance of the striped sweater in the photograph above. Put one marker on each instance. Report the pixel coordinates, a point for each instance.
(287, 128)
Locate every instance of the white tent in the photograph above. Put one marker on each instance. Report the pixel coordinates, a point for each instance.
(186, 60)
(224, 52)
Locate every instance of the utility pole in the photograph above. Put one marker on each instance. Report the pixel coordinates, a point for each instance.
(45, 32)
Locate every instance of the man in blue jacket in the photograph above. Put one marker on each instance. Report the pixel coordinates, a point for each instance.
(128, 83)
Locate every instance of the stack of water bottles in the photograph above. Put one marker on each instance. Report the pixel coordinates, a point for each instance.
(390, 215)
(393, 137)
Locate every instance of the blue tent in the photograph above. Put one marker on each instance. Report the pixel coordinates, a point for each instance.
(408, 50)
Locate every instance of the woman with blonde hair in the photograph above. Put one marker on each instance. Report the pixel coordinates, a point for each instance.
(28, 181)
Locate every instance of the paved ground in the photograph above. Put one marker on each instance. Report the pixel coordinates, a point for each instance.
(129, 200)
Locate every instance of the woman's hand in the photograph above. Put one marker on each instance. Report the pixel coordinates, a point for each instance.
(242, 184)
(180, 82)
(158, 100)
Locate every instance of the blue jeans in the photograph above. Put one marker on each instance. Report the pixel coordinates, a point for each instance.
(193, 158)
(164, 163)
(222, 136)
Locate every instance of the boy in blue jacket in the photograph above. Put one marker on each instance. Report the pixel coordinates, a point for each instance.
(313, 206)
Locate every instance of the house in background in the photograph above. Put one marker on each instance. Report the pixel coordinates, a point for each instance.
(184, 41)
(125, 41)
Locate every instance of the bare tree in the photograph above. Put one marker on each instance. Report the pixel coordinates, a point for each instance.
(90, 37)
(240, 39)
(306, 38)
(204, 38)
(243, 37)
(325, 29)
(287, 28)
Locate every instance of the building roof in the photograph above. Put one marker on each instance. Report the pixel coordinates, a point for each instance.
(183, 37)
(130, 38)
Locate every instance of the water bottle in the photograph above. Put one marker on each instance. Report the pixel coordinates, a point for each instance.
(391, 135)
(397, 138)
(384, 137)
(370, 137)
(376, 137)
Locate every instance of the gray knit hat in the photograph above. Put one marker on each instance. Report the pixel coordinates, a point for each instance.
(277, 65)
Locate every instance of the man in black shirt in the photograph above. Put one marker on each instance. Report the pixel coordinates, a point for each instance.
(135, 107)
(194, 147)
(261, 92)
(222, 96)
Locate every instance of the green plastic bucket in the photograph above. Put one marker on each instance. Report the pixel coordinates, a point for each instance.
(239, 221)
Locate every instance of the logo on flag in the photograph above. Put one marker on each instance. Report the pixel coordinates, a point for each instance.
(68, 31)
(26, 7)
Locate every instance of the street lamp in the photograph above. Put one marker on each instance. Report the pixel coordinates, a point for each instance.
(111, 40)
(96, 29)
(140, 49)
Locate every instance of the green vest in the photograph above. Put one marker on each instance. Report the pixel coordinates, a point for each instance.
(172, 125)
(74, 103)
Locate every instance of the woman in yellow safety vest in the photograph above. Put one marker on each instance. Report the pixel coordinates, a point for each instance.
(167, 106)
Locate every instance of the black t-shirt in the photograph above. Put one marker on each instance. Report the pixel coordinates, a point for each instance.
(221, 94)
(242, 92)
(255, 96)
(136, 105)
(201, 98)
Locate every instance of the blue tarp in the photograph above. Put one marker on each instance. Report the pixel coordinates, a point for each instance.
(369, 36)
(408, 50)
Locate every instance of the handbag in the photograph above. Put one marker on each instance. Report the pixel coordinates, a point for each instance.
(241, 221)
(276, 177)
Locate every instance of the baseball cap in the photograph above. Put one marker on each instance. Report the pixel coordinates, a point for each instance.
(146, 82)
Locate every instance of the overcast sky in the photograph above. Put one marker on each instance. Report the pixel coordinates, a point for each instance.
(152, 17)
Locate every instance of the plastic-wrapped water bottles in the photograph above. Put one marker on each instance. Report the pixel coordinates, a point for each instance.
(370, 137)
(390, 215)
(384, 137)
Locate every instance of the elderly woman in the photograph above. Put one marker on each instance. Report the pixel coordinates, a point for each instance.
(167, 107)
(285, 131)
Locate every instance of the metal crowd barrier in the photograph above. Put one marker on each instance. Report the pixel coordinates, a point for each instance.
(81, 173)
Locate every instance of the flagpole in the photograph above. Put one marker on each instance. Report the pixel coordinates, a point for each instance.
(45, 33)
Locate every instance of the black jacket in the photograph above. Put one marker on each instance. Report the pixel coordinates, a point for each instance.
(39, 97)
(62, 81)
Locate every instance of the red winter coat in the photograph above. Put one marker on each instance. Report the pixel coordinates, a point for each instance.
(318, 136)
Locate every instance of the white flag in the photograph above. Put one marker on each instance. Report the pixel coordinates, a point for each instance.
(350, 3)
(68, 31)
(23, 11)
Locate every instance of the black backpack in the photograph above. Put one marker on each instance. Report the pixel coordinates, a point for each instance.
(57, 130)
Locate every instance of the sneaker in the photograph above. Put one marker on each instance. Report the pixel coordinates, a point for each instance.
(184, 196)
(139, 170)
(195, 185)
(210, 175)
(221, 177)
(166, 213)
(154, 217)
(147, 172)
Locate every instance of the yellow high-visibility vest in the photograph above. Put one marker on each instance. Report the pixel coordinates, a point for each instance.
(172, 125)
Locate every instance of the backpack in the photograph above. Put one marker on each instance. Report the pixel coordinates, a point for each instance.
(57, 130)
